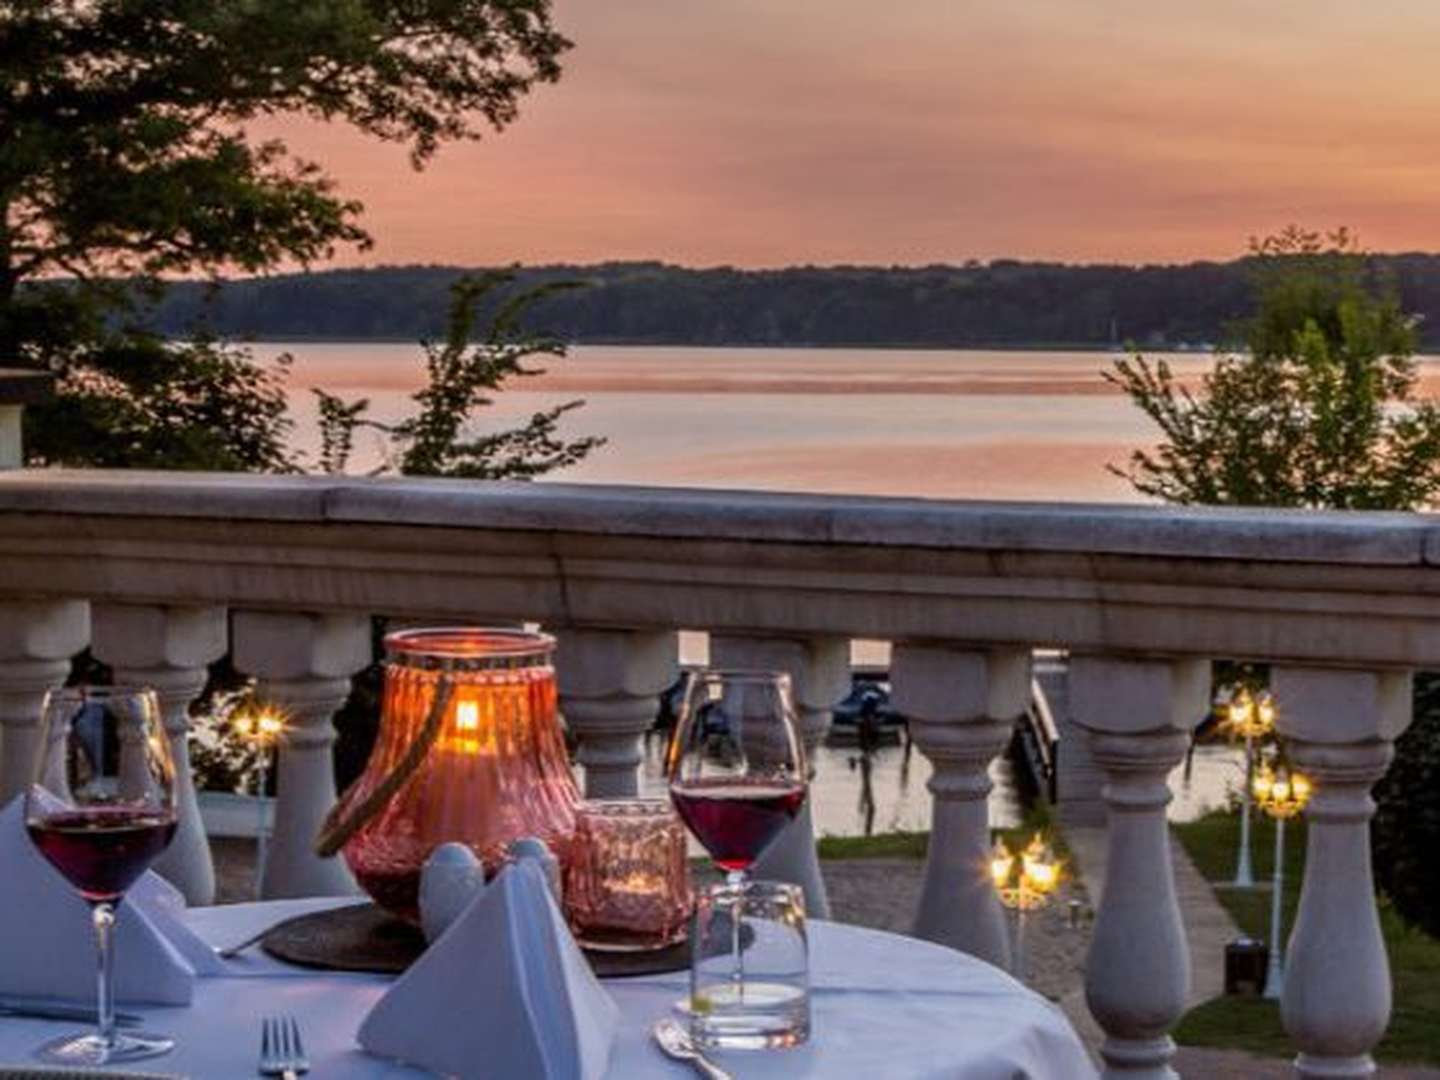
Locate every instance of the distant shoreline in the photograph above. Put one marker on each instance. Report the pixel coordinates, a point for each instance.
(1099, 350)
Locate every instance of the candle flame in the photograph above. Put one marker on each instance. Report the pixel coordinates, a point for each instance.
(467, 716)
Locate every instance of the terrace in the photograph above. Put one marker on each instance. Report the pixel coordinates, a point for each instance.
(160, 574)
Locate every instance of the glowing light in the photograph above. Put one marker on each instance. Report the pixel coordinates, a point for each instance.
(467, 716)
(1264, 781)
(1002, 864)
(262, 725)
(269, 724)
(1280, 792)
(1265, 711)
(1038, 877)
(465, 727)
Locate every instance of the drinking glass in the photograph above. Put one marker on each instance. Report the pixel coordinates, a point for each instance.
(100, 808)
(771, 1009)
(737, 775)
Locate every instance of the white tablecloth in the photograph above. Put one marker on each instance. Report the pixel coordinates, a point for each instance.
(883, 1006)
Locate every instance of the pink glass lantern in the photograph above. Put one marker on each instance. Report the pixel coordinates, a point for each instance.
(469, 750)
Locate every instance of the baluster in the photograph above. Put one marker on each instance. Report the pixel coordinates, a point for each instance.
(961, 704)
(170, 649)
(1140, 715)
(304, 663)
(820, 675)
(610, 682)
(37, 641)
(1339, 726)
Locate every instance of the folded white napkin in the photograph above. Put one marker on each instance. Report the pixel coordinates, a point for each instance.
(47, 942)
(61, 1072)
(504, 991)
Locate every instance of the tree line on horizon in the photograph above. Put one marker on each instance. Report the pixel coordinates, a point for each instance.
(1004, 304)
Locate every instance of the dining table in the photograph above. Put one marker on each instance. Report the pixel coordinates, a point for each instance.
(883, 1006)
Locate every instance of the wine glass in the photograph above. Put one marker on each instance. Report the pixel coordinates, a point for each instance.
(100, 808)
(736, 768)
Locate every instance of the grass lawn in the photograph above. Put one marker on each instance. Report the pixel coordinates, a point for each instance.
(894, 845)
(912, 845)
(1254, 1025)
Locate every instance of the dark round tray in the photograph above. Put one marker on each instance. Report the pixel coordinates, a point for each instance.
(363, 937)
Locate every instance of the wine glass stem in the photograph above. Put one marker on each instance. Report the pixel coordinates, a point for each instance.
(103, 916)
(737, 880)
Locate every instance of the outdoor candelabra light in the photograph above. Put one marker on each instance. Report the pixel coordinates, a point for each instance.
(1024, 884)
(261, 727)
(1252, 717)
(1282, 794)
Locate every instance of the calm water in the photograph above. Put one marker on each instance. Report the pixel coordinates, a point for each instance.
(956, 424)
(1006, 425)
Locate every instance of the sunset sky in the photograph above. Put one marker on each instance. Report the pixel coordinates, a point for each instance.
(772, 132)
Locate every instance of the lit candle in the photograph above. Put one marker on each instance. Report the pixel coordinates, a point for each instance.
(465, 725)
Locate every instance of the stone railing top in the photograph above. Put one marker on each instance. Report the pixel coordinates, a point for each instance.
(1356, 539)
(1334, 588)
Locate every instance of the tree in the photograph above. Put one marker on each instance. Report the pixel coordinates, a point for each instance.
(461, 374)
(1322, 412)
(1318, 410)
(125, 161)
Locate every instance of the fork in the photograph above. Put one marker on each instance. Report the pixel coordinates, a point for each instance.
(281, 1052)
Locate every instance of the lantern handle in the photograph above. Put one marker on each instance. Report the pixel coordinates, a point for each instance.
(339, 826)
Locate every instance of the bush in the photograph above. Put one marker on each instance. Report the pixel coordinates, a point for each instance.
(1406, 831)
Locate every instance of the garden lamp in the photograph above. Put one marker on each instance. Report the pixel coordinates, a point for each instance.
(1024, 884)
(1282, 793)
(261, 727)
(1251, 717)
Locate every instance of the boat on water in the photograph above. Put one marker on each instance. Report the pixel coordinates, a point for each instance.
(864, 718)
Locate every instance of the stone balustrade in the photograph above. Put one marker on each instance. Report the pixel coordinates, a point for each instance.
(145, 568)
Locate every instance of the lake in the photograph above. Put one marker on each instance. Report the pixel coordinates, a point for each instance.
(1009, 425)
(954, 424)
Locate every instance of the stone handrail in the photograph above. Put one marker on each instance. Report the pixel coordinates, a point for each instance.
(149, 568)
(1267, 585)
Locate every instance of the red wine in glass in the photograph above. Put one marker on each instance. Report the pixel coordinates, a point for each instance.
(736, 819)
(100, 809)
(101, 851)
(737, 775)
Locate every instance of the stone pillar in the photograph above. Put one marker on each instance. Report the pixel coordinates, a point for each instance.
(1339, 727)
(304, 663)
(961, 704)
(610, 682)
(37, 641)
(169, 649)
(819, 670)
(1140, 715)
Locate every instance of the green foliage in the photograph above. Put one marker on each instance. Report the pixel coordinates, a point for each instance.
(221, 757)
(462, 373)
(1406, 828)
(1000, 305)
(1319, 411)
(125, 160)
(136, 401)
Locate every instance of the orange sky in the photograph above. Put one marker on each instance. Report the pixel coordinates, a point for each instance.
(771, 132)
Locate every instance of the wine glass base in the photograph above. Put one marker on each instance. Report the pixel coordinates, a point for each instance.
(90, 1049)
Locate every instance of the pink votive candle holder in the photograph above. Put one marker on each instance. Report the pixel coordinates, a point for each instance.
(627, 884)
